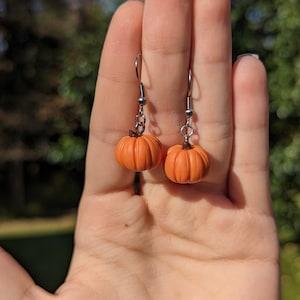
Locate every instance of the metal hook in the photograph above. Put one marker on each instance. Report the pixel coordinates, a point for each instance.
(187, 130)
(138, 75)
(190, 83)
(137, 66)
(189, 107)
(140, 118)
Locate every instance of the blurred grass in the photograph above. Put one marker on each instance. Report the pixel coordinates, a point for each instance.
(37, 226)
(44, 248)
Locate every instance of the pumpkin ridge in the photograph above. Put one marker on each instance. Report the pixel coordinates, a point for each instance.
(187, 154)
(150, 143)
(136, 152)
(176, 165)
(205, 159)
(128, 153)
(156, 150)
(148, 155)
(119, 151)
(139, 154)
(170, 169)
(197, 167)
(181, 166)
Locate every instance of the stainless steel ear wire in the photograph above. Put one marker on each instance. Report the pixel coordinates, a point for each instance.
(138, 151)
(140, 118)
(187, 130)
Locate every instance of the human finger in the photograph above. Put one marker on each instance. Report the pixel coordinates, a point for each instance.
(211, 65)
(249, 171)
(15, 282)
(166, 46)
(115, 101)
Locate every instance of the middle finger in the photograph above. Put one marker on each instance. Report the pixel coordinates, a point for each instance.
(211, 64)
(166, 46)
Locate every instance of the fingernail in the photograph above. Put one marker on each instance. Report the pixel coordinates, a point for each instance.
(249, 54)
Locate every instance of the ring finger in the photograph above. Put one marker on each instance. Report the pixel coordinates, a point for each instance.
(211, 64)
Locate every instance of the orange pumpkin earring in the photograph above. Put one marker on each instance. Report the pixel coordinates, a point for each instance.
(137, 151)
(186, 163)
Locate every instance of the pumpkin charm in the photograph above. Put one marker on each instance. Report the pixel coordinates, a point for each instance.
(139, 152)
(186, 164)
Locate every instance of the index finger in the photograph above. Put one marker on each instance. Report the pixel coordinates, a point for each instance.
(115, 101)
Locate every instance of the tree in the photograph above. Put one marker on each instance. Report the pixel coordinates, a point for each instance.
(29, 67)
(49, 53)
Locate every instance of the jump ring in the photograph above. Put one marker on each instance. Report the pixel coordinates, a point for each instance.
(187, 131)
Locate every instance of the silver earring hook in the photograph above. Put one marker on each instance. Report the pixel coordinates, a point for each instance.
(190, 83)
(189, 106)
(137, 71)
(140, 118)
(187, 130)
(138, 74)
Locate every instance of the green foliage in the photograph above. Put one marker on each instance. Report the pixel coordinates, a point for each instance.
(67, 149)
(285, 115)
(49, 56)
(80, 60)
(290, 265)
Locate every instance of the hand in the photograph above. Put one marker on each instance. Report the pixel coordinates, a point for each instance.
(213, 240)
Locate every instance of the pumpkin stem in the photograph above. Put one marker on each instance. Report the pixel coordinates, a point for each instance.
(134, 133)
(187, 146)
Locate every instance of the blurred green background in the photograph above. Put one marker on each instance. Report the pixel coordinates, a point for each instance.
(49, 55)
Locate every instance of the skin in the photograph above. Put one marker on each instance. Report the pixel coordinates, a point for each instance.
(212, 240)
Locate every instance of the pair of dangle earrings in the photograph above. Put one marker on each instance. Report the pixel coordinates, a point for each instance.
(185, 163)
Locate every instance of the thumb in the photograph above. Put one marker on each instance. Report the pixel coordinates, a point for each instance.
(15, 282)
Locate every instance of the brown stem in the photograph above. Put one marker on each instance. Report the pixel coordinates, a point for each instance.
(187, 146)
(133, 133)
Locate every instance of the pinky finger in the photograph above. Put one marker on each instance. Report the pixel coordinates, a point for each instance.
(249, 172)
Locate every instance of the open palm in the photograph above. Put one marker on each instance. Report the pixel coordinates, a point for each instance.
(212, 240)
